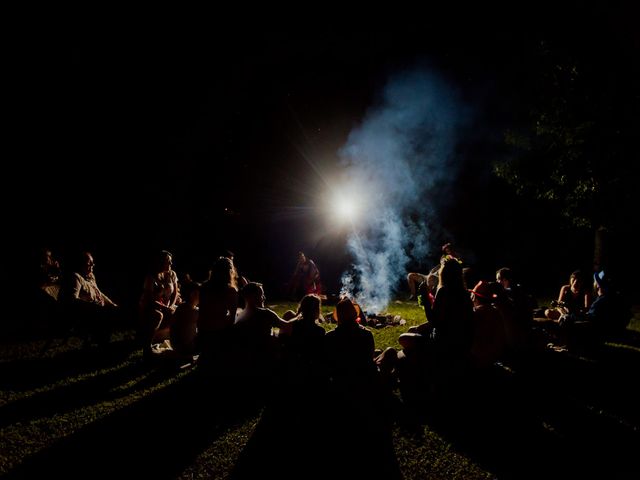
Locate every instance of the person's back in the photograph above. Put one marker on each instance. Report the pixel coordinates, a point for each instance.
(185, 321)
(254, 328)
(489, 340)
(218, 299)
(350, 347)
(216, 307)
(255, 348)
(451, 321)
(516, 307)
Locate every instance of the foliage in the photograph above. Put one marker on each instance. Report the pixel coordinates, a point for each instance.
(576, 150)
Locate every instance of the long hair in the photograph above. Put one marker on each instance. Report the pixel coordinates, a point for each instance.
(451, 274)
(309, 307)
(223, 273)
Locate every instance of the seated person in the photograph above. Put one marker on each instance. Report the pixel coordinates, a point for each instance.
(90, 309)
(158, 302)
(49, 274)
(516, 307)
(304, 347)
(574, 298)
(427, 290)
(608, 314)
(256, 347)
(42, 295)
(489, 340)
(414, 280)
(185, 321)
(350, 348)
(447, 253)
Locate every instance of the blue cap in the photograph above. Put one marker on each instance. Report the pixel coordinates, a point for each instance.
(601, 280)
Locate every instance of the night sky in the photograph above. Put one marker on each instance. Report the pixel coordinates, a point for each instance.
(196, 137)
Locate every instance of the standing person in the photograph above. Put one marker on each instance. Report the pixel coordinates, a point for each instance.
(306, 277)
(159, 299)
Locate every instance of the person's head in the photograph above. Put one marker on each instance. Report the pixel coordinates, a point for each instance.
(164, 261)
(223, 272)
(447, 249)
(469, 276)
(309, 307)
(191, 291)
(601, 283)
(576, 281)
(302, 257)
(451, 274)
(86, 263)
(483, 293)
(346, 312)
(504, 277)
(253, 295)
(47, 259)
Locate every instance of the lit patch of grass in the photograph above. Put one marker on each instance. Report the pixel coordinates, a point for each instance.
(384, 337)
(623, 346)
(43, 348)
(130, 384)
(218, 460)
(634, 324)
(429, 456)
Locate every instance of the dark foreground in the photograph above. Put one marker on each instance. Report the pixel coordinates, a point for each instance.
(554, 415)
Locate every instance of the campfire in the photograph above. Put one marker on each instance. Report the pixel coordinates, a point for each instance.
(374, 320)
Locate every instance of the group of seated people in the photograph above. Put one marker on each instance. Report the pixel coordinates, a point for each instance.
(73, 300)
(465, 329)
(587, 312)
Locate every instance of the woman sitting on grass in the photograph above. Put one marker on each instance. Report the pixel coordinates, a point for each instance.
(574, 298)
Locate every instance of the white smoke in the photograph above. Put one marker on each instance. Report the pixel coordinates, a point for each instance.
(403, 155)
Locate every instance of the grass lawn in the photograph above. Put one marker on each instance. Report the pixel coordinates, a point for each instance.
(60, 401)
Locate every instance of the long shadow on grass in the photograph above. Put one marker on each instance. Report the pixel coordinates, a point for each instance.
(318, 435)
(27, 374)
(157, 437)
(102, 387)
(546, 421)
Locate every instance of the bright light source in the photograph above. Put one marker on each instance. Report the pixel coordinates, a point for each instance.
(345, 208)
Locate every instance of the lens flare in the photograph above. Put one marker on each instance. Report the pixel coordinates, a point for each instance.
(345, 208)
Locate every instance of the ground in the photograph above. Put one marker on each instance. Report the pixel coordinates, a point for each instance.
(73, 411)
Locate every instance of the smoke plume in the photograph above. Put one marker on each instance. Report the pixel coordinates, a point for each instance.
(402, 159)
